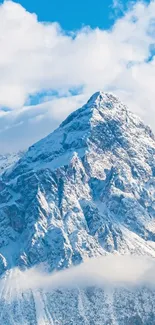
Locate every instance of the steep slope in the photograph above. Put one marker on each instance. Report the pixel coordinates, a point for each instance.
(7, 160)
(88, 189)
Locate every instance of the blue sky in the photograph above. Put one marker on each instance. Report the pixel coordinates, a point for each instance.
(47, 70)
(74, 14)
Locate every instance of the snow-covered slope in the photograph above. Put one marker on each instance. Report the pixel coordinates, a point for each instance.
(88, 189)
(8, 160)
(90, 306)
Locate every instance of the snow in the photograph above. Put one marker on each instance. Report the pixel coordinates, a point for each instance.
(86, 190)
(8, 160)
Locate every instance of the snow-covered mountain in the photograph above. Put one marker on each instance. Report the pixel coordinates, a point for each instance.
(86, 190)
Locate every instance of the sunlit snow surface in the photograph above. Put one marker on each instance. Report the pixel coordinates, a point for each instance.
(87, 190)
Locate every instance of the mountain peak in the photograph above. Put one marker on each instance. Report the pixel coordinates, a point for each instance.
(84, 190)
(101, 97)
(102, 124)
(96, 98)
(99, 106)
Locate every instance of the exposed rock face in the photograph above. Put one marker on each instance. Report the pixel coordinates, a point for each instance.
(88, 189)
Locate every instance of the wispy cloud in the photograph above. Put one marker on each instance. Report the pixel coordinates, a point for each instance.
(111, 271)
(118, 6)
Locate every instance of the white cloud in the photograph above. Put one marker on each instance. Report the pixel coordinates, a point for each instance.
(22, 127)
(118, 5)
(112, 271)
(35, 56)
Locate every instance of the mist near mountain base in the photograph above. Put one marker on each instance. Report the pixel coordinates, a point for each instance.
(111, 271)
